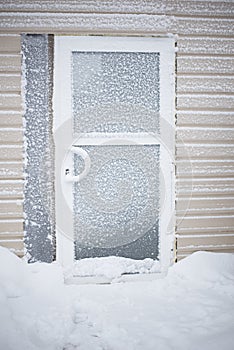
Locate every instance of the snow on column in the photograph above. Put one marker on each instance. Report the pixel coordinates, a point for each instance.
(39, 187)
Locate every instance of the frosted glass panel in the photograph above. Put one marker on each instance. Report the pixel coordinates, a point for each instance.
(116, 207)
(115, 92)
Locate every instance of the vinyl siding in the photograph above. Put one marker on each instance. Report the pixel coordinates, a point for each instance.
(204, 98)
(11, 145)
(205, 143)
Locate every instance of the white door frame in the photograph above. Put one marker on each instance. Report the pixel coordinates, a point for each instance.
(64, 46)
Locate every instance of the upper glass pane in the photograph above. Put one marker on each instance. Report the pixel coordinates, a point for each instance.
(115, 92)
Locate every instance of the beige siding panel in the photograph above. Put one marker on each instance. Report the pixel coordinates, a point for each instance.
(11, 119)
(204, 205)
(10, 82)
(11, 155)
(11, 189)
(10, 44)
(198, 231)
(16, 245)
(11, 236)
(10, 226)
(185, 243)
(205, 151)
(115, 23)
(11, 152)
(11, 209)
(196, 8)
(182, 253)
(221, 223)
(84, 23)
(188, 7)
(11, 144)
(11, 170)
(204, 186)
(201, 26)
(205, 45)
(10, 63)
(206, 168)
(11, 136)
(205, 84)
(205, 65)
(199, 118)
(10, 102)
(201, 134)
(202, 101)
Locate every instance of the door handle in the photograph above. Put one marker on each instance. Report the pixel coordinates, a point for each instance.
(87, 163)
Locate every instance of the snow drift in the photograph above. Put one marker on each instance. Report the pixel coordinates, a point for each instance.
(189, 309)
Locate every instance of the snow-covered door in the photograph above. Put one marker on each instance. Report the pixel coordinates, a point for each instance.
(114, 132)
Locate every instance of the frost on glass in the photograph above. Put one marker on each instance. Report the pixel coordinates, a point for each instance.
(116, 206)
(115, 92)
(39, 223)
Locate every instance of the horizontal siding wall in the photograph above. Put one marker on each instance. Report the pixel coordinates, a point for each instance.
(11, 145)
(205, 140)
(205, 99)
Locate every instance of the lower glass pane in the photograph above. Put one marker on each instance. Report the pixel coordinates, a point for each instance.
(116, 206)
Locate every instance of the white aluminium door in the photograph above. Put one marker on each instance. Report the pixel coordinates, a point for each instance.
(114, 142)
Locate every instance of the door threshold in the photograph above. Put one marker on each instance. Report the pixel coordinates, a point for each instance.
(137, 277)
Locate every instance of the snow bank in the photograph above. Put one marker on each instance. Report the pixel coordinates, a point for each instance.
(35, 310)
(191, 308)
(14, 275)
(206, 267)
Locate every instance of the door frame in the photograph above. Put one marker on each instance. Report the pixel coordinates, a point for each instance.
(62, 104)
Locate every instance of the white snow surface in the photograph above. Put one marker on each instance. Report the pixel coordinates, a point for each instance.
(112, 267)
(191, 308)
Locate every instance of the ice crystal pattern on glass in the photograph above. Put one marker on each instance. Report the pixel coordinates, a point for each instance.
(115, 92)
(116, 207)
(39, 188)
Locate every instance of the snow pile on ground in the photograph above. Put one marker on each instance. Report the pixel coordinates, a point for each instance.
(192, 308)
(35, 312)
(113, 267)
